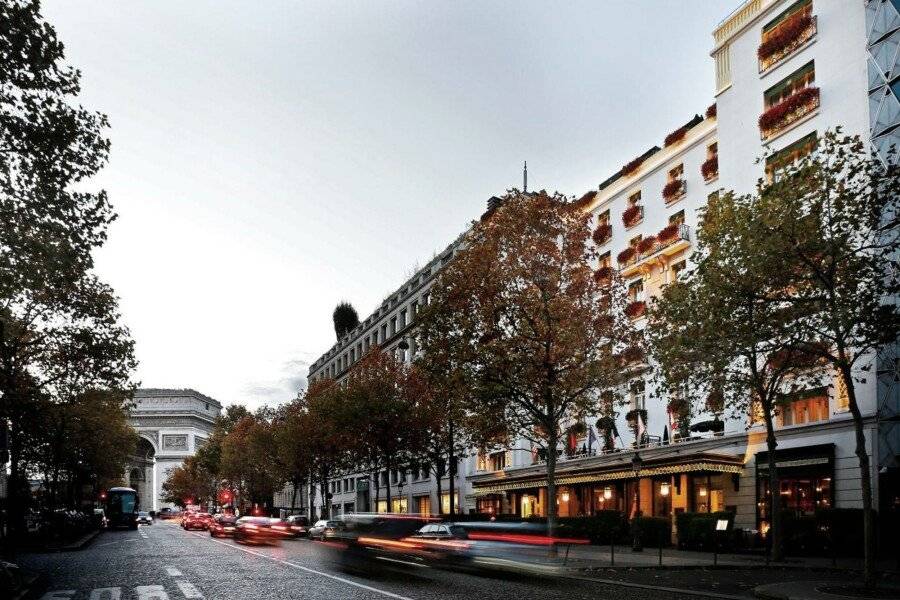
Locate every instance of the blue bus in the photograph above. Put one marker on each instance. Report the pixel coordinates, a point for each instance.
(122, 507)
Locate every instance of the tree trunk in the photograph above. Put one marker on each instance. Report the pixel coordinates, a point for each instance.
(439, 475)
(453, 470)
(775, 528)
(388, 493)
(377, 491)
(296, 484)
(551, 488)
(865, 476)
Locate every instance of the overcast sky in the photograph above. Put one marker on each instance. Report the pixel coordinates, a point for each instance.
(270, 158)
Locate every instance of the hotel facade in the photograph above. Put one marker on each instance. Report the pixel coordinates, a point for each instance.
(786, 71)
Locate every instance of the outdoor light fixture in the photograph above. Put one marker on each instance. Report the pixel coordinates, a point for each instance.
(607, 492)
(403, 345)
(703, 491)
(664, 489)
(565, 496)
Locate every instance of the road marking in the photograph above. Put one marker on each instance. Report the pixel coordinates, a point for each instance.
(307, 570)
(189, 590)
(58, 595)
(151, 592)
(143, 533)
(112, 593)
(173, 572)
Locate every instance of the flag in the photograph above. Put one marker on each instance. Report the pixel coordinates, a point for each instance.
(640, 429)
(591, 438)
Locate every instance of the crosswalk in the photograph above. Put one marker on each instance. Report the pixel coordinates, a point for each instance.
(185, 589)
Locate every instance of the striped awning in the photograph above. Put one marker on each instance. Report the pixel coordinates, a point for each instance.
(649, 471)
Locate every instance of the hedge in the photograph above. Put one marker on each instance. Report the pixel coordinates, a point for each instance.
(697, 531)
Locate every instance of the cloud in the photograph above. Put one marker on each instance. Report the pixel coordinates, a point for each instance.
(283, 387)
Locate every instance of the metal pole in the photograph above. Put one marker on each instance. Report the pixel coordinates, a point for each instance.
(612, 550)
(660, 547)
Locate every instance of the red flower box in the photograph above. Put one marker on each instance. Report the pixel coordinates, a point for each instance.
(711, 111)
(632, 354)
(632, 215)
(603, 274)
(775, 116)
(784, 35)
(667, 233)
(633, 166)
(710, 168)
(602, 234)
(673, 190)
(646, 244)
(675, 136)
(636, 309)
(626, 255)
(586, 199)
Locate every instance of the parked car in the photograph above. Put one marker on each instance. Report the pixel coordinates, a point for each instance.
(441, 531)
(282, 528)
(196, 520)
(255, 530)
(223, 526)
(144, 518)
(323, 529)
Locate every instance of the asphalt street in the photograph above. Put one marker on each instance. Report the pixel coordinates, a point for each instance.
(163, 562)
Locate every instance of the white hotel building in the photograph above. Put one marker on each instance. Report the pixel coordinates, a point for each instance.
(786, 71)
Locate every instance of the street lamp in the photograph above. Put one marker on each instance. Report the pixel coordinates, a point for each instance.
(636, 463)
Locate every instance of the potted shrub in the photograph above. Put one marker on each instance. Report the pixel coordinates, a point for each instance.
(602, 234)
(626, 255)
(632, 354)
(710, 168)
(786, 36)
(673, 190)
(675, 137)
(632, 167)
(636, 309)
(632, 415)
(667, 233)
(646, 244)
(789, 109)
(632, 215)
(603, 274)
(711, 111)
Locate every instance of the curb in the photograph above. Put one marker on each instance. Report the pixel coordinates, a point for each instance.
(660, 588)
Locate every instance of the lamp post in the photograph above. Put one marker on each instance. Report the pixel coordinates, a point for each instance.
(635, 529)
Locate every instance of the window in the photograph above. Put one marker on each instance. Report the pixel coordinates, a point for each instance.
(635, 198)
(633, 242)
(445, 502)
(352, 355)
(779, 161)
(359, 350)
(498, 461)
(676, 173)
(481, 462)
(636, 389)
(677, 218)
(393, 325)
(402, 318)
(807, 407)
(636, 290)
(805, 76)
(603, 218)
(605, 260)
(383, 333)
(841, 400)
(712, 150)
(678, 268)
(366, 344)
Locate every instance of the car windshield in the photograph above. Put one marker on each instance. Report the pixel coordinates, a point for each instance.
(254, 520)
(143, 514)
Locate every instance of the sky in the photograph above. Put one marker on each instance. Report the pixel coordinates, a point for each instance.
(272, 158)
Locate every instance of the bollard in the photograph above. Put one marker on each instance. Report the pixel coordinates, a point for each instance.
(660, 547)
(716, 551)
(612, 551)
(566, 559)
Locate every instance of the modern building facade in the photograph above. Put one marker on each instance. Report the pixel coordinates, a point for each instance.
(172, 425)
(786, 71)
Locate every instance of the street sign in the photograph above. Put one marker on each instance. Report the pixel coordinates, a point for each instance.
(722, 525)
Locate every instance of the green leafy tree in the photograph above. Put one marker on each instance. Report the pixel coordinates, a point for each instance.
(834, 215)
(720, 337)
(522, 313)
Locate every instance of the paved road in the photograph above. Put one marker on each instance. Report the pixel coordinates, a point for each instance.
(163, 562)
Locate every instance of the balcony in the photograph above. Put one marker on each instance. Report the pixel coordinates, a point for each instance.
(788, 37)
(636, 309)
(670, 240)
(787, 112)
(633, 215)
(710, 169)
(602, 234)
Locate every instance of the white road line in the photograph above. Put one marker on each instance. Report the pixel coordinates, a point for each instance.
(173, 572)
(58, 595)
(189, 590)
(111, 593)
(151, 592)
(308, 570)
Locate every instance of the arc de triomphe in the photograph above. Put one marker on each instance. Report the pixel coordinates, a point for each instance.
(172, 425)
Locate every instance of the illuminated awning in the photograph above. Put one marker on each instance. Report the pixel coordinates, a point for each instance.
(649, 471)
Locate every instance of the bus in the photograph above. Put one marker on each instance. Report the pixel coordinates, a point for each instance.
(122, 507)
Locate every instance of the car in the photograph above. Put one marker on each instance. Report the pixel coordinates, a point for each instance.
(363, 541)
(323, 528)
(223, 526)
(441, 531)
(283, 528)
(196, 520)
(255, 530)
(144, 518)
(299, 524)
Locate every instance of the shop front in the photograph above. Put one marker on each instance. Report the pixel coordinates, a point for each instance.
(805, 481)
(660, 486)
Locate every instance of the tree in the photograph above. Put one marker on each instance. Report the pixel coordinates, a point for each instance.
(292, 449)
(58, 323)
(345, 319)
(378, 413)
(722, 333)
(834, 214)
(189, 483)
(246, 459)
(328, 435)
(522, 313)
